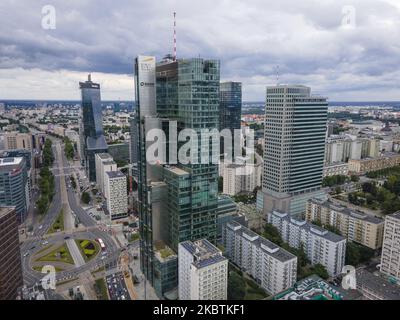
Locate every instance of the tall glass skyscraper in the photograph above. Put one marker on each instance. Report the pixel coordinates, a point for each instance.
(177, 201)
(295, 127)
(92, 136)
(230, 107)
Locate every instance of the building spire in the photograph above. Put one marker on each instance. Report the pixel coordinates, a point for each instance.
(174, 36)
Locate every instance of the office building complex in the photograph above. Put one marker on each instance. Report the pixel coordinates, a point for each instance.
(273, 268)
(182, 198)
(116, 194)
(230, 107)
(390, 261)
(10, 256)
(203, 271)
(321, 246)
(91, 126)
(15, 186)
(354, 225)
(17, 140)
(295, 126)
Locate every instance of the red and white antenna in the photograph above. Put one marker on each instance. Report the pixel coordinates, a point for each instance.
(174, 36)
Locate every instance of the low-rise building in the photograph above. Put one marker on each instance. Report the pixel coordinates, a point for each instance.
(321, 246)
(355, 225)
(203, 271)
(272, 267)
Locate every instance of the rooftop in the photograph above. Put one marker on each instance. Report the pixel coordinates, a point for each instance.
(204, 253)
(350, 212)
(267, 246)
(378, 285)
(176, 170)
(10, 161)
(115, 174)
(5, 211)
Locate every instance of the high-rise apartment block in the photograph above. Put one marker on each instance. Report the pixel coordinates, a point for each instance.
(274, 268)
(17, 140)
(295, 127)
(116, 194)
(321, 246)
(390, 261)
(353, 224)
(203, 271)
(91, 126)
(104, 162)
(10, 256)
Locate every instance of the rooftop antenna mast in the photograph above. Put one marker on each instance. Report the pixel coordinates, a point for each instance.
(174, 36)
(277, 74)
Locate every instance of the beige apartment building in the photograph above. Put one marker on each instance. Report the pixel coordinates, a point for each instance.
(372, 164)
(355, 225)
(17, 140)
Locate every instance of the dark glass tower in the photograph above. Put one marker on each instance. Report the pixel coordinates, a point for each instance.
(230, 107)
(92, 126)
(188, 93)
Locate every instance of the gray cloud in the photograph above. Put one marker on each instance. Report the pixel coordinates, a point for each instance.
(305, 38)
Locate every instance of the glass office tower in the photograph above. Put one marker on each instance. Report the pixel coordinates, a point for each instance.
(188, 93)
(230, 107)
(92, 125)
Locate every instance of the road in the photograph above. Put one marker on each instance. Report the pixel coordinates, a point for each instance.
(65, 198)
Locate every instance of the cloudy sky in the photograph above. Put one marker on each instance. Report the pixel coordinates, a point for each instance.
(345, 53)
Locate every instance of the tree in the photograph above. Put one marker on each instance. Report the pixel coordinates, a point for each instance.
(272, 234)
(85, 197)
(354, 178)
(353, 255)
(320, 271)
(236, 287)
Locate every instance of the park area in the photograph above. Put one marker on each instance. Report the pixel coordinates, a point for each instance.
(89, 249)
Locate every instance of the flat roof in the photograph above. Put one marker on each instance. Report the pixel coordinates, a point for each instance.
(5, 211)
(10, 161)
(267, 246)
(204, 253)
(115, 174)
(380, 286)
(177, 171)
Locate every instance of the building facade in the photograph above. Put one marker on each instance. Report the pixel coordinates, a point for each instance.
(372, 164)
(272, 267)
(390, 261)
(93, 140)
(295, 128)
(321, 246)
(10, 257)
(354, 225)
(203, 271)
(15, 186)
(116, 194)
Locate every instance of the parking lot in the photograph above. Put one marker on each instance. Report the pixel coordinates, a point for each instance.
(116, 287)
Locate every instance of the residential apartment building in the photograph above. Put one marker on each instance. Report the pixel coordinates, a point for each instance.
(355, 225)
(335, 169)
(103, 163)
(116, 194)
(321, 246)
(10, 256)
(372, 164)
(390, 261)
(203, 271)
(272, 267)
(17, 140)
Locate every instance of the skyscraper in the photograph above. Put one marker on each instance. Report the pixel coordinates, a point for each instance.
(92, 136)
(295, 126)
(10, 256)
(177, 201)
(230, 107)
(14, 185)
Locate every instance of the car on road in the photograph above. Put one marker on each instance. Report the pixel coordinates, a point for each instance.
(45, 242)
(32, 248)
(26, 254)
(67, 237)
(40, 227)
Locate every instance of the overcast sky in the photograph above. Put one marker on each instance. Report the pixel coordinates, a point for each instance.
(314, 42)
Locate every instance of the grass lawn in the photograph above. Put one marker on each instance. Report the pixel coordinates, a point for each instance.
(39, 269)
(89, 249)
(61, 254)
(101, 289)
(58, 225)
